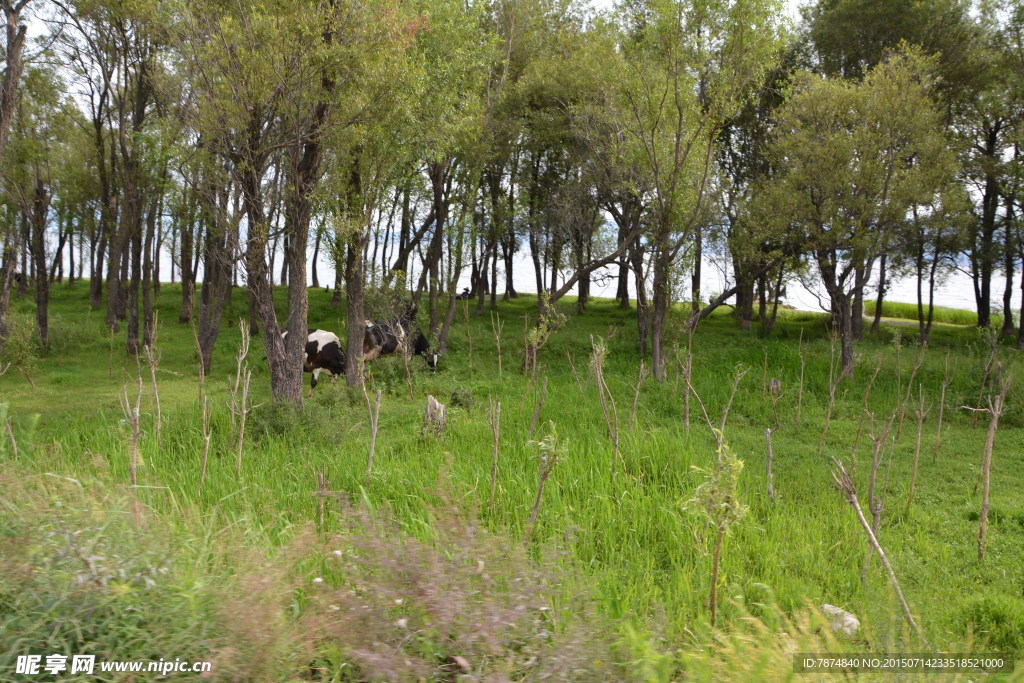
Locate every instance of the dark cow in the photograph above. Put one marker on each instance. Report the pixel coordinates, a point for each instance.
(323, 353)
(384, 338)
(464, 294)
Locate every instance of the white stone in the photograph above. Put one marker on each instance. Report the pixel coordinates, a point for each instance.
(840, 620)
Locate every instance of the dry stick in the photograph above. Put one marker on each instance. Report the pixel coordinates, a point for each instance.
(775, 396)
(131, 415)
(687, 375)
(800, 392)
(990, 363)
(995, 409)
(199, 355)
(832, 382)
(549, 456)
(575, 375)
(764, 376)
(153, 359)
(469, 341)
(920, 413)
(110, 358)
(845, 484)
(496, 325)
(644, 372)
(322, 490)
(10, 434)
(614, 424)
(494, 417)
(539, 406)
(239, 408)
(864, 413)
(408, 375)
(207, 433)
(243, 411)
(207, 430)
(611, 418)
(768, 467)
(942, 408)
(374, 421)
(910, 388)
(874, 503)
(735, 385)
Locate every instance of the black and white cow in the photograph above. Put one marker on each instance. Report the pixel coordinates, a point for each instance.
(384, 338)
(323, 353)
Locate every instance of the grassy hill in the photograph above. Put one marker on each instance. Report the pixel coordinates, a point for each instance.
(304, 568)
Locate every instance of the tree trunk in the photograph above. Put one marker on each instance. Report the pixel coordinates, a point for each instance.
(698, 255)
(10, 266)
(40, 210)
(355, 316)
(857, 313)
(660, 313)
(877, 322)
(188, 282)
(983, 232)
(12, 72)
(316, 256)
(1009, 252)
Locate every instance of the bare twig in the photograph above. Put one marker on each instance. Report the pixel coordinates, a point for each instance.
(832, 385)
(641, 377)
(863, 415)
(374, 421)
(995, 409)
(153, 360)
(608, 409)
(539, 405)
(207, 433)
(494, 417)
(846, 485)
(920, 413)
(496, 326)
(740, 372)
(993, 341)
(131, 418)
(240, 394)
(946, 380)
(800, 391)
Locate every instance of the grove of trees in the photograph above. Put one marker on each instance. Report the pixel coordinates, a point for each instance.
(410, 142)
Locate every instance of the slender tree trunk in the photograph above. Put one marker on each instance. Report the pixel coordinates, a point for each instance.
(14, 67)
(316, 257)
(40, 210)
(698, 256)
(1009, 253)
(877, 322)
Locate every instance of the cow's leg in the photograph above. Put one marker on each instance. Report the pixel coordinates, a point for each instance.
(315, 379)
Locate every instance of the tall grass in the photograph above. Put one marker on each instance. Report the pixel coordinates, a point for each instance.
(625, 546)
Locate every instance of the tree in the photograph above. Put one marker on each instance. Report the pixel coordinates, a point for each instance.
(852, 158)
(686, 69)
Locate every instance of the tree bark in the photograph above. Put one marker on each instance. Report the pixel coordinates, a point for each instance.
(40, 210)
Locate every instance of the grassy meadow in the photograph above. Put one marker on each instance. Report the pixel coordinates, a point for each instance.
(304, 569)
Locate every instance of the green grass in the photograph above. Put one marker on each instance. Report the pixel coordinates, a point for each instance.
(626, 545)
(949, 316)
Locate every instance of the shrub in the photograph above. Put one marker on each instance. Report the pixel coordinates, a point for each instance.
(20, 348)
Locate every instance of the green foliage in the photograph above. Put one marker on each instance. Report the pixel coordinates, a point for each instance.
(717, 498)
(20, 348)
